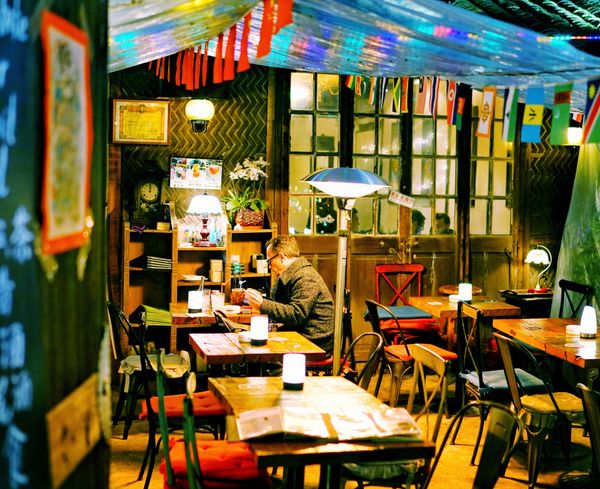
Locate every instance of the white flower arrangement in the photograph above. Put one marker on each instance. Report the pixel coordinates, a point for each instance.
(247, 179)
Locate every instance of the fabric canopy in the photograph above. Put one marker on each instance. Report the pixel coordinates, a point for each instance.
(372, 38)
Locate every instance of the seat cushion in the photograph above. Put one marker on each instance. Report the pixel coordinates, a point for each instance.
(399, 352)
(223, 464)
(495, 381)
(401, 312)
(205, 404)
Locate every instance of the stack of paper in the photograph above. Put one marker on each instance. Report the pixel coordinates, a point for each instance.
(152, 262)
(153, 316)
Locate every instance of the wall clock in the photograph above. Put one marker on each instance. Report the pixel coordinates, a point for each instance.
(147, 207)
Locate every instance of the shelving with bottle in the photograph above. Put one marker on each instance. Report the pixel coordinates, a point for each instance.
(147, 267)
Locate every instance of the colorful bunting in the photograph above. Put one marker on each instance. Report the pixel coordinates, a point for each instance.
(486, 113)
(435, 84)
(451, 102)
(197, 68)
(511, 106)
(266, 30)
(218, 63)
(358, 85)
(383, 83)
(423, 95)
(591, 126)
(229, 67)
(404, 101)
(460, 108)
(205, 64)
(284, 14)
(561, 113)
(350, 81)
(373, 83)
(532, 117)
(243, 63)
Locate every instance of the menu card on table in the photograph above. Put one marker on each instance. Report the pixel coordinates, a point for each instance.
(345, 424)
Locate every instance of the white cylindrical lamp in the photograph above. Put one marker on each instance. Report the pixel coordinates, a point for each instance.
(588, 327)
(294, 371)
(465, 292)
(259, 330)
(195, 301)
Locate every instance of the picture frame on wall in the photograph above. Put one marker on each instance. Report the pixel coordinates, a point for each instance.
(141, 121)
(68, 127)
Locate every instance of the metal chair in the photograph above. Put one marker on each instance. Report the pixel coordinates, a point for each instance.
(573, 297)
(541, 413)
(503, 433)
(370, 342)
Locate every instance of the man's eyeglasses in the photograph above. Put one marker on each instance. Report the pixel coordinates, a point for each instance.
(269, 260)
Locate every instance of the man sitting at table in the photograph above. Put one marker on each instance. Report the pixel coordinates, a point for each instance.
(299, 299)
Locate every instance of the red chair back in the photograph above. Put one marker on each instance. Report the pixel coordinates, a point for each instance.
(399, 277)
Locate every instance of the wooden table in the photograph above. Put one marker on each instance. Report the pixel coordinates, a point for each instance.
(442, 308)
(549, 335)
(225, 348)
(240, 394)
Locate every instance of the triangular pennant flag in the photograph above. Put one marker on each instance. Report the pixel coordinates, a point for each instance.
(243, 63)
(229, 68)
(486, 113)
(358, 85)
(396, 94)
(189, 69)
(178, 68)
(404, 99)
(591, 124)
(150, 65)
(451, 101)
(373, 82)
(162, 69)
(561, 113)
(197, 68)
(422, 97)
(381, 91)
(284, 13)
(350, 81)
(218, 64)
(533, 115)
(435, 83)
(157, 72)
(266, 30)
(511, 104)
(205, 64)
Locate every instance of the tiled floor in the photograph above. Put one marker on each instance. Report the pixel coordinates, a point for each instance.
(453, 472)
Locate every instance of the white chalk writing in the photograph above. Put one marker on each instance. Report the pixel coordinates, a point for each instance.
(21, 238)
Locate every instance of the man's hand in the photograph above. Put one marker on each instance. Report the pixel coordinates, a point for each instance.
(255, 298)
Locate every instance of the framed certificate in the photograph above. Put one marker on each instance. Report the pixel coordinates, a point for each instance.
(141, 121)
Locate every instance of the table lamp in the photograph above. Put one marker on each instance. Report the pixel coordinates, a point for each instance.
(294, 371)
(204, 205)
(539, 256)
(259, 330)
(347, 184)
(465, 292)
(588, 326)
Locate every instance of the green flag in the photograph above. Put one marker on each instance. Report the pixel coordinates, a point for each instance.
(561, 113)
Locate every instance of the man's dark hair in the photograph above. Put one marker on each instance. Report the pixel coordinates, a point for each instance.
(445, 217)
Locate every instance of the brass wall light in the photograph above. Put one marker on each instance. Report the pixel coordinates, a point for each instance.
(199, 113)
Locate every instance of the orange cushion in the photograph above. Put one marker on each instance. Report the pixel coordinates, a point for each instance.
(445, 354)
(398, 351)
(223, 464)
(407, 325)
(205, 404)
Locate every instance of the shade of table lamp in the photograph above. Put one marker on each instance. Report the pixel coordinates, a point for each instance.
(465, 292)
(259, 330)
(204, 205)
(293, 371)
(539, 256)
(588, 326)
(346, 184)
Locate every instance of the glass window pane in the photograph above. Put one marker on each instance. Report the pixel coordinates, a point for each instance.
(421, 217)
(299, 168)
(388, 104)
(299, 214)
(388, 217)
(442, 107)
(362, 216)
(501, 217)
(326, 162)
(499, 105)
(364, 135)
(389, 136)
(502, 178)
(301, 132)
(482, 144)
(326, 221)
(390, 171)
(422, 177)
(361, 102)
(478, 216)
(328, 132)
(481, 177)
(364, 163)
(500, 146)
(328, 92)
(445, 177)
(445, 143)
(423, 136)
(301, 91)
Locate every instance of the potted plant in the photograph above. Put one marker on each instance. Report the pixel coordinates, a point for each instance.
(244, 200)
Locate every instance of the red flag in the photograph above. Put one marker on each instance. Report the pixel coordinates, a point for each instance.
(197, 68)
(229, 69)
(178, 69)
(404, 95)
(162, 69)
(243, 63)
(205, 63)
(218, 66)
(157, 72)
(422, 96)
(188, 74)
(284, 13)
(451, 102)
(150, 65)
(266, 30)
(168, 67)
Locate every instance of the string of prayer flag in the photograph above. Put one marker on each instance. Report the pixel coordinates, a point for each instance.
(532, 117)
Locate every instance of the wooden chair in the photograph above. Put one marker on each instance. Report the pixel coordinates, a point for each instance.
(541, 413)
(503, 433)
(130, 366)
(427, 360)
(396, 358)
(475, 380)
(398, 280)
(573, 297)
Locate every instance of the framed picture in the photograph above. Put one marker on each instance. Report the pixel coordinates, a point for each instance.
(195, 173)
(68, 135)
(141, 121)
